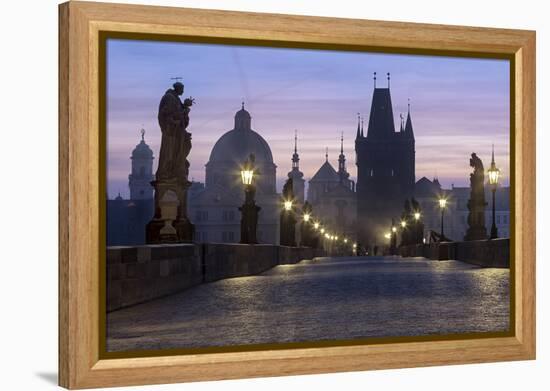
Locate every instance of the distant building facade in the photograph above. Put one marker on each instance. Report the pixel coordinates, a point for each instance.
(385, 168)
(332, 196)
(456, 213)
(214, 208)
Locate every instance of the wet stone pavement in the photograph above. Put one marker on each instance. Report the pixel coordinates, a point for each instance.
(324, 299)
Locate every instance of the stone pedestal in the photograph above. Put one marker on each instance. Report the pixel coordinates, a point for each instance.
(288, 229)
(170, 223)
(249, 222)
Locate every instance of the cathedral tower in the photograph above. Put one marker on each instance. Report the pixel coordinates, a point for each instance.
(385, 168)
(142, 171)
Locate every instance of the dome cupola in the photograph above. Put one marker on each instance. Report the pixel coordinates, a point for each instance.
(242, 119)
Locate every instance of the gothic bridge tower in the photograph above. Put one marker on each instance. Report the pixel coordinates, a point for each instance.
(385, 168)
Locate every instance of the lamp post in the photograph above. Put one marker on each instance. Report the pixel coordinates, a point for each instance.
(393, 239)
(442, 205)
(494, 173)
(306, 226)
(249, 210)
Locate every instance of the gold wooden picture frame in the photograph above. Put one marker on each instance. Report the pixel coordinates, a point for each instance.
(82, 28)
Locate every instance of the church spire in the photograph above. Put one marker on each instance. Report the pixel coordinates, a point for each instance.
(295, 156)
(362, 133)
(342, 161)
(326, 154)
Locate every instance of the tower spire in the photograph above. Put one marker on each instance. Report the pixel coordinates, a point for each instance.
(362, 133)
(358, 126)
(326, 154)
(142, 134)
(295, 156)
(374, 79)
(408, 124)
(342, 161)
(388, 80)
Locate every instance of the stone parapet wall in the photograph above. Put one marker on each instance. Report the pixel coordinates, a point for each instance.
(137, 274)
(486, 253)
(140, 273)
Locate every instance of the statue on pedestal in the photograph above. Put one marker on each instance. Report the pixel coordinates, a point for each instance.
(288, 218)
(476, 203)
(172, 171)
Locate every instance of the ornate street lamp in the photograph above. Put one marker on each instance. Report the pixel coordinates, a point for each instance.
(316, 225)
(249, 210)
(494, 173)
(416, 216)
(442, 204)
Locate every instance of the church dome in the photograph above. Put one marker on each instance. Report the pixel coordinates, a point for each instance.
(237, 144)
(142, 150)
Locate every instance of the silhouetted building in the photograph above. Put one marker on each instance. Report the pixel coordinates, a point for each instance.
(385, 168)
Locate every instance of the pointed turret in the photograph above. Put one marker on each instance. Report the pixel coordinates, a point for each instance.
(408, 125)
(358, 126)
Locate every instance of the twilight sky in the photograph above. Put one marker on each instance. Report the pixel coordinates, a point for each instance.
(458, 106)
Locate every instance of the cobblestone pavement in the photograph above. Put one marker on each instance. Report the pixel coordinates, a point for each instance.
(324, 299)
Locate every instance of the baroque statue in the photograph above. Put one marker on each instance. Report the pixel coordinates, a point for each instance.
(476, 203)
(171, 179)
